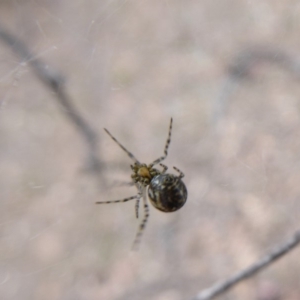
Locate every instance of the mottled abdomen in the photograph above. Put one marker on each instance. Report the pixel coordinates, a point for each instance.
(167, 192)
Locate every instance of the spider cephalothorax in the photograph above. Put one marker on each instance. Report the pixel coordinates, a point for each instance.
(143, 173)
(166, 192)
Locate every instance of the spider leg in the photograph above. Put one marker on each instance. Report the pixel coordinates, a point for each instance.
(119, 183)
(121, 146)
(121, 200)
(142, 226)
(165, 168)
(181, 175)
(137, 204)
(166, 146)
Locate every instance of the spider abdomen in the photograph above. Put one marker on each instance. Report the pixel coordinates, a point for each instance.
(167, 192)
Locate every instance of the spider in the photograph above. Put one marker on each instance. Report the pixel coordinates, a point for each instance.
(166, 192)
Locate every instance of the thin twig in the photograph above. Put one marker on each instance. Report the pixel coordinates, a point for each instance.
(268, 259)
(240, 68)
(54, 81)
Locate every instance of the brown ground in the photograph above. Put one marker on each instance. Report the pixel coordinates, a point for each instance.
(129, 66)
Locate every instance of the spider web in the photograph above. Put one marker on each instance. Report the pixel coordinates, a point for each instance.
(129, 66)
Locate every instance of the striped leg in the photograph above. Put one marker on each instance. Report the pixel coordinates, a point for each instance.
(181, 175)
(157, 161)
(138, 196)
(137, 204)
(165, 168)
(119, 183)
(142, 227)
(121, 146)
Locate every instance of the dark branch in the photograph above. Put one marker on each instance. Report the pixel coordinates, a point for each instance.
(54, 81)
(268, 259)
(240, 68)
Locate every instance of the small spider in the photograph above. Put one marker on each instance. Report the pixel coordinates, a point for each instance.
(166, 192)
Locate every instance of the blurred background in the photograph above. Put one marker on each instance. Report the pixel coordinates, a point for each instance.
(226, 71)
